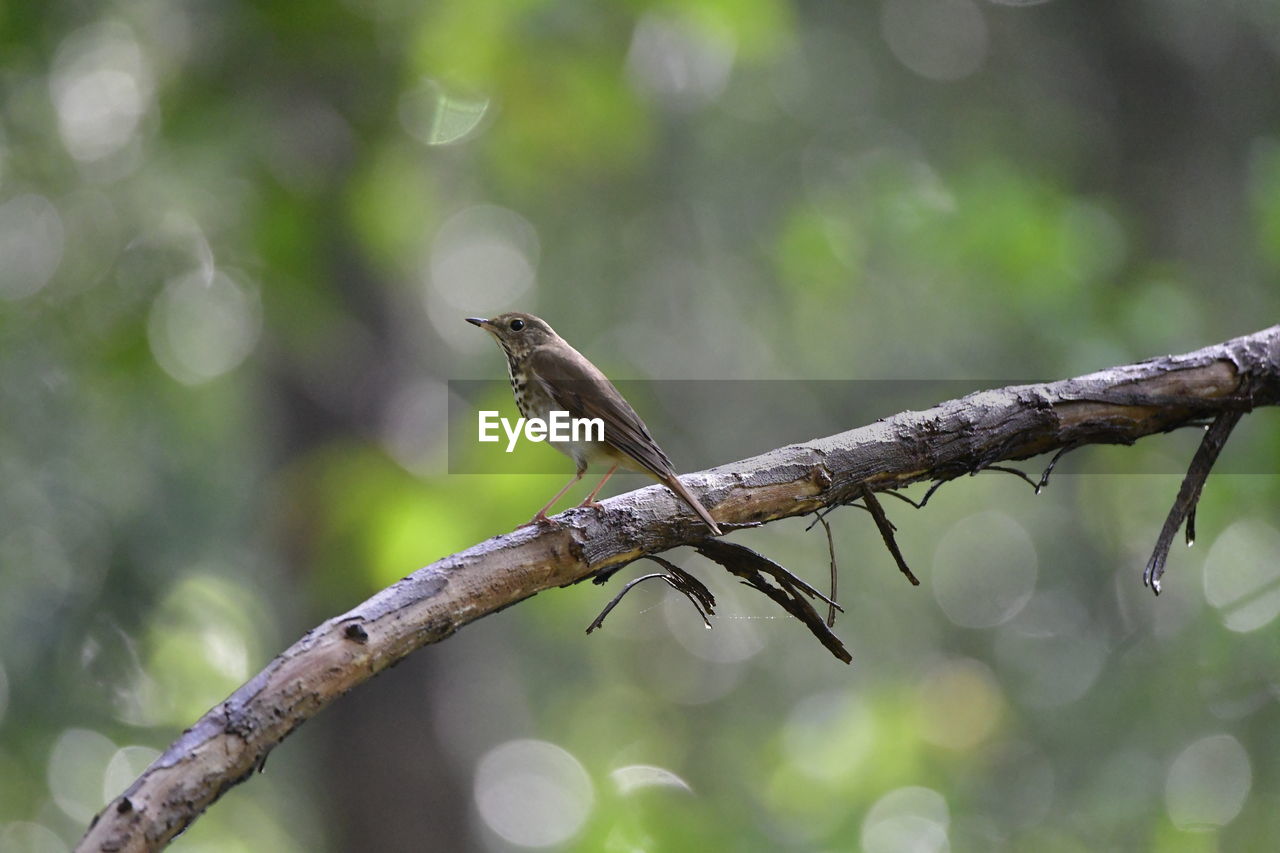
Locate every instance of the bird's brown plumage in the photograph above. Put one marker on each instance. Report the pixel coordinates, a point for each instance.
(547, 373)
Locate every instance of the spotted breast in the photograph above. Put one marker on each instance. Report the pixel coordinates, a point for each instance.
(531, 400)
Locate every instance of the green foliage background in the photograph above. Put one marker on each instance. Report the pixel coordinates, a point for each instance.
(237, 240)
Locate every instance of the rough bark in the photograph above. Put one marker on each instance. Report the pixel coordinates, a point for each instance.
(1118, 405)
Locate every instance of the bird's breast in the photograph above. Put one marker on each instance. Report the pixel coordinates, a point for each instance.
(531, 400)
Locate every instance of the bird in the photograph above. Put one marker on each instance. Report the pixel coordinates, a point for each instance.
(548, 374)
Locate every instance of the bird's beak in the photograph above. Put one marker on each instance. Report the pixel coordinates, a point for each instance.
(477, 321)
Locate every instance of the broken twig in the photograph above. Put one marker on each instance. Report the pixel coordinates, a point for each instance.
(886, 532)
(1184, 506)
(676, 578)
(786, 589)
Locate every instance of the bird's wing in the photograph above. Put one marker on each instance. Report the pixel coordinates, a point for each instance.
(580, 389)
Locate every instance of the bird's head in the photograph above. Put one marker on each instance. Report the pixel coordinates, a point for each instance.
(517, 333)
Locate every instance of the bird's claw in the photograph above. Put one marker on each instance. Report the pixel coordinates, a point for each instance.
(596, 505)
(539, 519)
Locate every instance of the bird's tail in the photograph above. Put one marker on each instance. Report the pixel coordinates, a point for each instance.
(673, 483)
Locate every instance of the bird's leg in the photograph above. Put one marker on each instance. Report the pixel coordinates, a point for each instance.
(541, 516)
(591, 498)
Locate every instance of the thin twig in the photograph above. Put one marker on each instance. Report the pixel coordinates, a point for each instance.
(896, 494)
(691, 585)
(1053, 463)
(1015, 471)
(599, 620)
(886, 532)
(786, 590)
(1189, 494)
(831, 549)
(822, 513)
(818, 516)
(933, 488)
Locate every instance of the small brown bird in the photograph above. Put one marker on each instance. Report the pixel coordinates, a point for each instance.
(547, 374)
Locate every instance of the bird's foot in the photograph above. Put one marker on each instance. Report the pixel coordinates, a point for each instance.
(539, 519)
(596, 505)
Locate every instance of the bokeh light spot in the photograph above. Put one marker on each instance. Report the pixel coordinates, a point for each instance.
(414, 424)
(483, 257)
(101, 89)
(125, 766)
(829, 735)
(733, 640)
(937, 39)
(636, 777)
(201, 328)
(913, 818)
(681, 62)
(1242, 575)
(31, 242)
(198, 647)
(435, 116)
(984, 570)
(35, 561)
(1207, 783)
(28, 837)
(959, 703)
(532, 793)
(1053, 649)
(77, 764)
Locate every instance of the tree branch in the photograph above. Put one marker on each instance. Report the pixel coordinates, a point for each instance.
(1115, 406)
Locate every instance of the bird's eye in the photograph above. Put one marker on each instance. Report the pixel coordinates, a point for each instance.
(517, 325)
